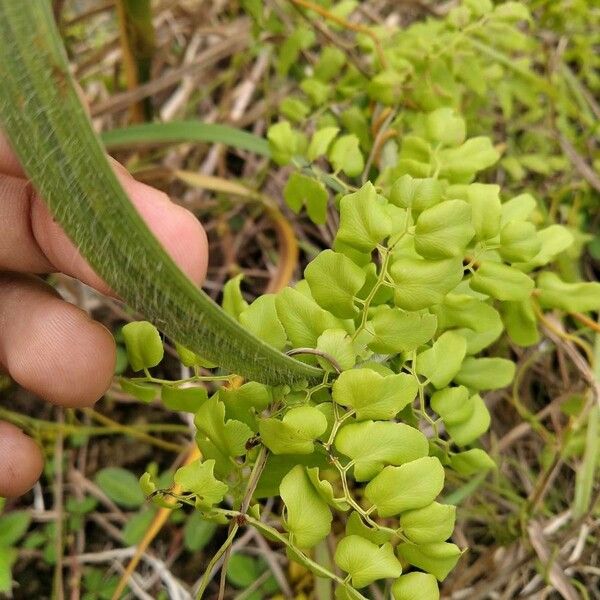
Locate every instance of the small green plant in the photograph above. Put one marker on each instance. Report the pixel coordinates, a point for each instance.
(425, 274)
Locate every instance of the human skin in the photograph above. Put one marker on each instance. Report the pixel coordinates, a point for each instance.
(48, 346)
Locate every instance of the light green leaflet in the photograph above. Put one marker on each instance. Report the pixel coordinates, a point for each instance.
(374, 396)
(363, 221)
(442, 361)
(373, 444)
(334, 281)
(198, 477)
(432, 523)
(230, 436)
(143, 343)
(50, 132)
(416, 586)
(412, 485)
(501, 281)
(295, 433)
(308, 517)
(444, 230)
(438, 558)
(366, 562)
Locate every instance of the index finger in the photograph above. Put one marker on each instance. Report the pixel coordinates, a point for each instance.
(34, 241)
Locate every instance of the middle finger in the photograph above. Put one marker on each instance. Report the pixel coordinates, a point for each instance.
(50, 347)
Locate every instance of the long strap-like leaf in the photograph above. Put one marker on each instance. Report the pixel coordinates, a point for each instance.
(49, 130)
(185, 131)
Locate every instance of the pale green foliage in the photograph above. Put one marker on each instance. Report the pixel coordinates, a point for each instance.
(228, 436)
(301, 190)
(485, 373)
(308, 518)
(572, 297)
(198, 477)
(233, 301)
(373, 444)
(373, 396)
(412, 485)
(422, 283)
(363, 220)
(416, 194)
(486, 208)
(325, 490)
(345, 155)
(320, 142)
(501, 281)
(404, 314)
(433, 523)
(396, 331)
(427, 269)
(416, 586)
(442, 361)
(444, 230)
(437, 558)
(261, 319)
(334, 281)
(302, 318)
(518, 242)
(143, 343)
(472, 461)
(366, 562)
(285, 143)
(445, 127)
(295, 433)
(183, 399)
(337, 344)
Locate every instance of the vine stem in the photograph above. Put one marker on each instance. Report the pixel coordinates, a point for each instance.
(271, 532)
(316, 352)
(585, 320)
(215, 559)
(385, 253)
(337, 425)
(253, 479)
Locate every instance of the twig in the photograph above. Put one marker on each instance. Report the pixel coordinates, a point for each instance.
(133, 432)
(175, 587)
(579, 163)
(236, 41)
(255, 585)
(556, 575)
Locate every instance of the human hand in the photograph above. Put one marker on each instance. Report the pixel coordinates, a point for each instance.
(48, 346)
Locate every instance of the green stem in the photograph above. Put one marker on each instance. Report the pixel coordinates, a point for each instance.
(33, 424)
(385, 254)
(215, 559)
(50, 132)
(271, 532)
